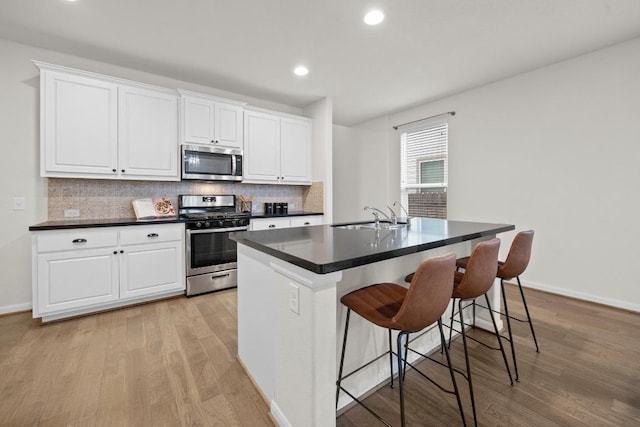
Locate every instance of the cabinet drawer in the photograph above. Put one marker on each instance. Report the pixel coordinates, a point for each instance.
(270, 223)
(141, 234)
(76, 240)
(303, 221)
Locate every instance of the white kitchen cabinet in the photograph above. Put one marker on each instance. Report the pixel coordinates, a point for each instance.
(95, 126)
(277, 149)
(75, 279)
(147, 132)
(304, 221)
(89, 269)
(78, 125)
(295, 150)
(285, 222)
(206, 120)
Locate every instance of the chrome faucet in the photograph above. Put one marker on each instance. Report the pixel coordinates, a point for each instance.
(402, 207)
(375, 212)
(394, 217)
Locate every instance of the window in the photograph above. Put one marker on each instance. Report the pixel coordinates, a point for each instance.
(424, 170)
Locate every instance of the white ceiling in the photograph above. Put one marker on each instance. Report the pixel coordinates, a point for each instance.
(424, 49)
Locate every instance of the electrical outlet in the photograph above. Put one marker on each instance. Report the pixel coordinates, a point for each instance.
(71, 213)
(291, 207)
(18, 203)
(294, 298)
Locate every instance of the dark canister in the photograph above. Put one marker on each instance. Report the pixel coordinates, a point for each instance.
(268, 208)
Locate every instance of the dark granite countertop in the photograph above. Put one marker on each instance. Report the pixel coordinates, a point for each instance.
(292, 213)
(324, 249)
(90, 223)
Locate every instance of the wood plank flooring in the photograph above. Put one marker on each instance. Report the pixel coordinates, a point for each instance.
(173, 363)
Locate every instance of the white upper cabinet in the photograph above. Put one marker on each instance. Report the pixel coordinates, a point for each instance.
(95, 126)
(148, 128)
(262, 147)
(277, 149)
(295, 150)
(208, 120)
(79, 125)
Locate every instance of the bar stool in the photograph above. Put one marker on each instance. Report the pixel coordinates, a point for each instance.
(395, 307)
(515, 264)
(475, 282)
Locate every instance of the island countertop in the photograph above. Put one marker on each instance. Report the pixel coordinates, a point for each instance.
(325, 249)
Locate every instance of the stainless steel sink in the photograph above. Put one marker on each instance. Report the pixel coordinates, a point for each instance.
(371, 225)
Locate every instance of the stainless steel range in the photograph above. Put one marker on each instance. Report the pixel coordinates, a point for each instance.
(211, 257)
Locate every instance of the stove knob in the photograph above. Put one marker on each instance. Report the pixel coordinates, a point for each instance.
(206, 224)
(198, 224)
(220, 223)
(234, 222)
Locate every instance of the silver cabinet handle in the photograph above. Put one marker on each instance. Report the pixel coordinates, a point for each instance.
(79, 241)
(220, 276)
(153, 235)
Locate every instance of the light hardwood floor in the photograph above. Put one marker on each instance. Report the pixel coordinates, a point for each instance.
(173, 363)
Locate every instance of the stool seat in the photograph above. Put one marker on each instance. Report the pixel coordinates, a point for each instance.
(377, 303)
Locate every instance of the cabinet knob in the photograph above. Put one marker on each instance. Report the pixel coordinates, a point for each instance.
(122, 170)
(115, 252)
(213, 141)
(152, 235)
(307, 223)
(114, 170)
(121, 252)
(79, 241)
(272, 226)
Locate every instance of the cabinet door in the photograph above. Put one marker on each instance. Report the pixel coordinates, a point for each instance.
(79, 126)
(151, 269)
(228, 125)
(76, 279)
(148, 134)
(198, 120)
(262, 147)
(295, 151)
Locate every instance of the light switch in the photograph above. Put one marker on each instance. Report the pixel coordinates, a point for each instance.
(18, 203)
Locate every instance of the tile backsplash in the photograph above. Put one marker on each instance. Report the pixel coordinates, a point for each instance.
(103, 199)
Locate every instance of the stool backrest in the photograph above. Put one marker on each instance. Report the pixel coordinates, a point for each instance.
(481, 270)
(428, 295)
(518, 257)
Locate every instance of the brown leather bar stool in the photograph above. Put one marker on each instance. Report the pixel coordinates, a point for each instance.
(397, 308)
(515, 264)
(475, 282)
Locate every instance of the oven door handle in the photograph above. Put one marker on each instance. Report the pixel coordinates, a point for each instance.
(217, 230)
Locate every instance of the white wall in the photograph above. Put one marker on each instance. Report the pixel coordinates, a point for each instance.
(555, 150)
(322, 167)
(361, 175)
(19, 162)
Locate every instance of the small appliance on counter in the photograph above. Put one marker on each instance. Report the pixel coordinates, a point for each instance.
(211, 256)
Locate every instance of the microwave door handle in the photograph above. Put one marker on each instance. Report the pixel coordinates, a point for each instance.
(234, 167)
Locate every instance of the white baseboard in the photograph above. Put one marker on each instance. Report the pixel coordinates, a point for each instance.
(8, 309)
(278, 416)
(583, 296)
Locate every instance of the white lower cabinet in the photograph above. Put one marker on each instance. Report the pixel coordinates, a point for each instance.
(285, 222)
(89, 269)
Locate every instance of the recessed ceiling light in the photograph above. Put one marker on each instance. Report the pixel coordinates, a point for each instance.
(374, 17)
(301, 70)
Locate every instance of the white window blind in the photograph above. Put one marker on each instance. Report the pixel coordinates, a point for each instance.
(424, 169)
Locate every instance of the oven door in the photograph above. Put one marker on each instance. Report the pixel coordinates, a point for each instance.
(211, 250)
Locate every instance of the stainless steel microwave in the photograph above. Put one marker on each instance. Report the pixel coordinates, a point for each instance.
(209, 163)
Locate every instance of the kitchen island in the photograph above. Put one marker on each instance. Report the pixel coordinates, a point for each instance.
(290, 320)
